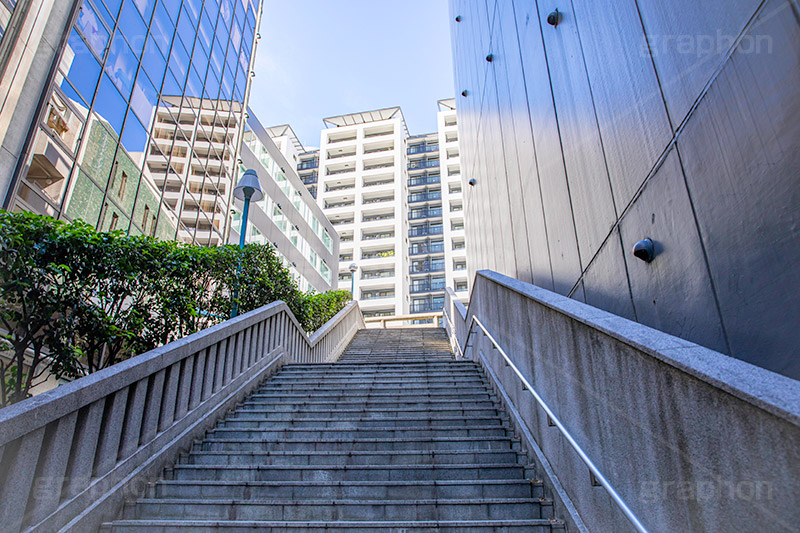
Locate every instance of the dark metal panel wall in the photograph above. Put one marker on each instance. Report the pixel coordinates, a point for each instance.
(678, 121)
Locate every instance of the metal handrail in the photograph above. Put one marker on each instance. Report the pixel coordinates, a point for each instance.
(552, 419)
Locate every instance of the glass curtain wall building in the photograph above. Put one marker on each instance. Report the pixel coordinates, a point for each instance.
(144, 115)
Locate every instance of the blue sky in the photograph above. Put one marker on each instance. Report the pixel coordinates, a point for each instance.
(318, 58)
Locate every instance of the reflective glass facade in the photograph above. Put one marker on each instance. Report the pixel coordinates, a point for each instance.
(144, 118)
(6, 10)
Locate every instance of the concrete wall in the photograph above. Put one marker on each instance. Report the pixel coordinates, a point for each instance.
(691, 439)
(678, 121)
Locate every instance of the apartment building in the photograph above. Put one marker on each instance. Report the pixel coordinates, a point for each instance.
(436, 241)
(395, 201)
(126, 115)
(287, 217)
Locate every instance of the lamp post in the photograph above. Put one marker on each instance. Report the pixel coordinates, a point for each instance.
(353, 269)
(248, 188)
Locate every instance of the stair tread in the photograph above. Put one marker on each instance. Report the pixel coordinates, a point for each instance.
(394, 396)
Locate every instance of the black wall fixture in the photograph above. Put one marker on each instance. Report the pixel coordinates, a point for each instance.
(554, 18)
(645, 250)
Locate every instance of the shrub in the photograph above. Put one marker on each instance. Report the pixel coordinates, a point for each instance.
(80, 300)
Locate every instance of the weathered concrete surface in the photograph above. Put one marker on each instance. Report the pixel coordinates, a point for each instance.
(693, 440)
(69, 457)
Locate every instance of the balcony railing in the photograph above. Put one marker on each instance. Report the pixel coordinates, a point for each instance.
(423, 163)
(344, 154)
(376, 255)
(376, 150)
(426, 307)
(377, 274)
(459, 266)
(310, 180)
(346, 203)
(427, 287)
(376, 296)
(422, 250)
(423, 148)
(330, 172)
(336, 222)
(379, 182)
(424, 197)
(428, 213)
(343, 139)
(428, 267)
(304, 165)
(331, 188)
(424, 179)
(378, 133)
(373, 236)
(372, 218)
(378, 200)
(379, 165)
(422, 232)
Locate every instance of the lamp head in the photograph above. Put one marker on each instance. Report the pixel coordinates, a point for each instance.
(249, 184)
(353, 267)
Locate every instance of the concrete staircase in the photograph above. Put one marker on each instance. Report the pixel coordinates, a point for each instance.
(395, 436)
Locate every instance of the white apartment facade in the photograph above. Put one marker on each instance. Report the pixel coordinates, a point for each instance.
(396, 203)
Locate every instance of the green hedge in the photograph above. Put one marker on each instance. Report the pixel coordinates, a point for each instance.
(81, 300)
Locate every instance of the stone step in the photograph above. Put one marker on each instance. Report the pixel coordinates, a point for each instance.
(300, 404)
(375, 490)
(377, 377)
(260, 413)
(360, 433)
(221, 443)
(341, 526)
(474, 509)
(400, 395)
(340, 366)
(362, 423)
(305, 458)
(367, 388)
(475, 472)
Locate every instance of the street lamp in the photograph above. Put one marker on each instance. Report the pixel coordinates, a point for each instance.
(353, 270)
(248, 188)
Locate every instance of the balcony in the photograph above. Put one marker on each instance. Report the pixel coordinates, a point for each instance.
(337, 155)
(368, 151)
(459, 266)
(332, 140)
(374, 181)
(340, 187)
(376, 274)
(377, 200)
(423, 268)
(423, 163)
(379, 235)
(334, 205)
(378, 165)
(330, 172)
(310, 179)
(437, 248)
(424, 179)
(426, 307)
(373, 218)
(429, 286)
(376, 295)
(422, 148)
(338, 221)
(377, 254)
(422, 232)
(378, 133)
(305, 165)
(424, 196)
(425, 213)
